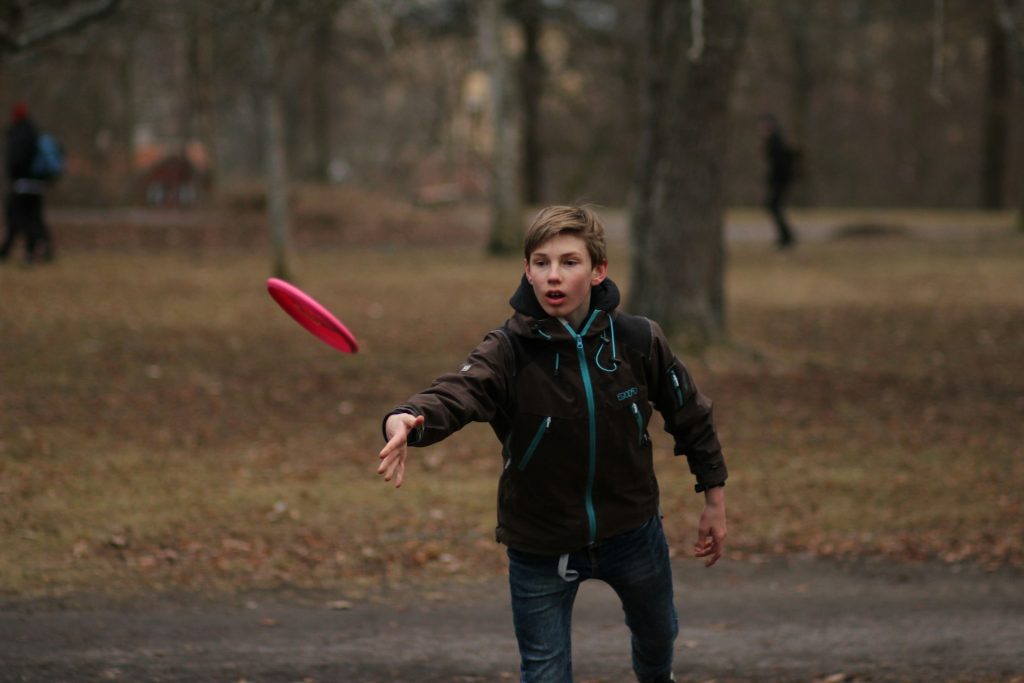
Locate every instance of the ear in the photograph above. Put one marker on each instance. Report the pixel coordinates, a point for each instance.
(600, 273)
(526, 269)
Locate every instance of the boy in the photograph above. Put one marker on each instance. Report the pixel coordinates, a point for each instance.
(568, 386)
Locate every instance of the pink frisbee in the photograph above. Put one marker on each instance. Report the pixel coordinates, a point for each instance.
(311, 315)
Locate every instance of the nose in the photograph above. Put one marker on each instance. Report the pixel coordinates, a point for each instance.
(554, 274)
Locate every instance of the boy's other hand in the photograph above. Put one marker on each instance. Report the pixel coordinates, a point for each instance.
(711, 531)
(392, 457)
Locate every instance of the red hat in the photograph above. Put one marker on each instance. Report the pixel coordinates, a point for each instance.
(19, 112)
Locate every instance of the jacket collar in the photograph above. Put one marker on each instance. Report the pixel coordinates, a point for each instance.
(530, 319)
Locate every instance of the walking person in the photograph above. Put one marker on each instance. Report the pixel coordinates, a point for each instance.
(780, 158)
(23, 204)
(569, 385)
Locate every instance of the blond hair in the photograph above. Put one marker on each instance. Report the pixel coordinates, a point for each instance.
(580, 221)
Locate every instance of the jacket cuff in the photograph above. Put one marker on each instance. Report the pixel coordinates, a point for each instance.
(415, 435)
(709, 475)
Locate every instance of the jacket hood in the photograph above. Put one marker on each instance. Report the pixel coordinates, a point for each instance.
(530, 314)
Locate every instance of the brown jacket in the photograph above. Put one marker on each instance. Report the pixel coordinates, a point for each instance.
(571, 410)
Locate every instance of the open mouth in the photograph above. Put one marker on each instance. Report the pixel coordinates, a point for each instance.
(555, 297)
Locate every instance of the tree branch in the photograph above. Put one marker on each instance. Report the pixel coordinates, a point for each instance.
(64, 23)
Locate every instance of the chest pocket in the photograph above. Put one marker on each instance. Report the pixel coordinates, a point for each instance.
(538, 436)
(626, 415)
(550, 419)
(624, 408)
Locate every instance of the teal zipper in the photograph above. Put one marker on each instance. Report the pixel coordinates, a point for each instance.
(588, 388)
(536, 442)
(675, 385)
(639, 423)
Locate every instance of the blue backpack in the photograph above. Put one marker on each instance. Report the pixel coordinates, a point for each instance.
(48, 162)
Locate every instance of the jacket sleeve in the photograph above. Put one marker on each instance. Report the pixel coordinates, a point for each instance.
(474, 393)
(687, 412)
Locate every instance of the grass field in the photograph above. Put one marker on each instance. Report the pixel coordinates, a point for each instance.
(164, 426)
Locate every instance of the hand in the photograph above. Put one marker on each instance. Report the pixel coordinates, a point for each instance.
(392, 457)
(711, 530)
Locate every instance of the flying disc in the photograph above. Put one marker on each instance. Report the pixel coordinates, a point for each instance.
(310, 314)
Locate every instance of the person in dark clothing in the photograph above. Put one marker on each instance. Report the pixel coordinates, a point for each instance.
(780, 158)
(570, 385)
(23, 207)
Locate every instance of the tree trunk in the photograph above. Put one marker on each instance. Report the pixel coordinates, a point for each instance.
(274, 153)
(800, 19)
(651, 139)
(997, 118)
(323, 36)
(506, 208)
(124, 113)
(678, 249)
(201, 117)
(1010, 19)
(531, 80)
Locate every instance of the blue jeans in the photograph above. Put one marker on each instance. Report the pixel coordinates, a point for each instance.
(636, 566)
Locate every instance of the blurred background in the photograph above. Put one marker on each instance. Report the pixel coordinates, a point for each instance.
(162, 424)
(166, 103)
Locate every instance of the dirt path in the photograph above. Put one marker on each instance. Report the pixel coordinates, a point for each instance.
(752, 226)
(133, 227)
(796, 620)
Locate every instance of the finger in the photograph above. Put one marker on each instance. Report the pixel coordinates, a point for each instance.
(401, 436)
(396, 466)
(717, 549)
(388, 465)
(396, 441)
(388, 461)
(716, 554)
(397, 473)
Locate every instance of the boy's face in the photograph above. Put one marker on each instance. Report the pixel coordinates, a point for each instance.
(561, 274)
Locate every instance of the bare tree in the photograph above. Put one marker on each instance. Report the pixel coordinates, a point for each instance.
(275, 153)
(506, 207)
(320, 118)
(678, 250)
(199, 117)
(1010, 19)
(529, 15)
(996, 131)
(275, 26)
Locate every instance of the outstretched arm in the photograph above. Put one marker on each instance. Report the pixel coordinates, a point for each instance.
(392, 456)
(711, 530)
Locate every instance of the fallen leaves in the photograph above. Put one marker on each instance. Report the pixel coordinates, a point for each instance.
(840, 677)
